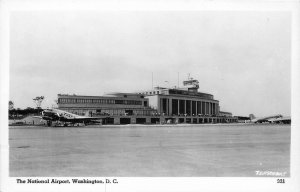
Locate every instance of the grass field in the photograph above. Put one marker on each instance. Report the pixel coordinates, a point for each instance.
(141, 151)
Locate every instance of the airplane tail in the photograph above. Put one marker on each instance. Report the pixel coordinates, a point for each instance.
(252, 116)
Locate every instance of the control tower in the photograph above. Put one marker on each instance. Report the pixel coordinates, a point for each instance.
(191, 84)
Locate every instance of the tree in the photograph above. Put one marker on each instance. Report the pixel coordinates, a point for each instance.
(38, 101)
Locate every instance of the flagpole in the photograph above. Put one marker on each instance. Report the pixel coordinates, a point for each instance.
(152, 80)
(178, 80)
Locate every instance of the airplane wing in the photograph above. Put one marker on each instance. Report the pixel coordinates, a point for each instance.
(88, 118)
(38, 117)
(84, 117)
(80, 119)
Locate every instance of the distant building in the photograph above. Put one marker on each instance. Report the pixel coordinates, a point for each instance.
(242, 119)
(112, 104)
(225, 114)
(176, 105)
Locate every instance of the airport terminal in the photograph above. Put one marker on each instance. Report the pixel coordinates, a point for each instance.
(158, 105)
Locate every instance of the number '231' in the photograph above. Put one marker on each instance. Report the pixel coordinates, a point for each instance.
(280, 181)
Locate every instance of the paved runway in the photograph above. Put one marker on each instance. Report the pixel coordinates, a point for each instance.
(142, 151)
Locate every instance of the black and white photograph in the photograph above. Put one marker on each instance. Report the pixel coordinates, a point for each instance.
(112, 94)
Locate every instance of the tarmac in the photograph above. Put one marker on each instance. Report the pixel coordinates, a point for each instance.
(228, 150)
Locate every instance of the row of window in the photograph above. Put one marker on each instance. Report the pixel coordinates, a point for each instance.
(121, 112)
(150, 93)
(191, 107)
(183, 92)
(100, 101)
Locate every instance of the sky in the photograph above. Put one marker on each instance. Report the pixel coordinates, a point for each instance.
(242, 58)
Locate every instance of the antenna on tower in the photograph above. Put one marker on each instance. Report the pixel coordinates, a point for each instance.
(178, 80)
(152, 80)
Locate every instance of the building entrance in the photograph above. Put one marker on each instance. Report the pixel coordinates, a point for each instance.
(124, 121)
(140, 120)
(108, 121)
(155, 120)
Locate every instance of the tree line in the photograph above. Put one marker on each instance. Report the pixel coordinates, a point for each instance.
(21, 113)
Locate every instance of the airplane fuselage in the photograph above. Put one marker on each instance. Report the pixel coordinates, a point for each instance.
(51, 115)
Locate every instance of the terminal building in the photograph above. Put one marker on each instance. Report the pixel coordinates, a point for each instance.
(158, 105)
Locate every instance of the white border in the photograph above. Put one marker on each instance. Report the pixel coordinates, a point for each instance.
(155, 183)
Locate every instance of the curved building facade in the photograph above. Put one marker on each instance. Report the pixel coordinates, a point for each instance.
(176, 105)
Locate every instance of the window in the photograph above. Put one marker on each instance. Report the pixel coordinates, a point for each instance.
(120, 101)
